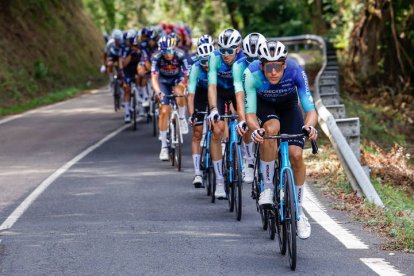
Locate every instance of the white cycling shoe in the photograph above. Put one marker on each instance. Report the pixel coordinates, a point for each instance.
(164, 154)
(145, 103)
(220, 193)
(266, 197)
(183, 126)
(304, 228)
(198, 181)
(248, 173)
(127, 118)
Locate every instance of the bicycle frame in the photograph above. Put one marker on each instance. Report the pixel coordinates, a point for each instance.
(233, 138)
(285, 165)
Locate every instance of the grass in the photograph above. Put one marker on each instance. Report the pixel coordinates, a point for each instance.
(50, 98)
(392, 175)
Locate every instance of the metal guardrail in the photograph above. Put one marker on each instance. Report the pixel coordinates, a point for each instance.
(346, 148)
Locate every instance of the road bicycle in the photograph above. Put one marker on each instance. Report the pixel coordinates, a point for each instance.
(281, 217)
(116, 87)
(174, 135)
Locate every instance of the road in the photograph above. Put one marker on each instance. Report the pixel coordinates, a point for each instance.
(117, 210)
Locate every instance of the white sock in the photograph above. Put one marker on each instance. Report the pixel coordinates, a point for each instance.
(126, 107)
(299, 193)
(111, 77)
(249, 153)
(196, 162)
(268, 170)
(181, 111)
(243, 150)
(218, 169)
(163, 138)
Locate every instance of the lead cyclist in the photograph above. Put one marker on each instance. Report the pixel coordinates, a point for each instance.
(272, 86)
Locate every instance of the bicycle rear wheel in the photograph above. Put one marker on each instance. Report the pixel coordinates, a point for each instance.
(178, 143)
(117, 95)
(154, 119)
(290, 220)
(134, 110)
(228, 175)
(237, 181)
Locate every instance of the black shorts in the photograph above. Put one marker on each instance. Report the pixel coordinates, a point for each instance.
(289, 115)
(224, 96)
(167, 85)
(200, 104)
(112, 57)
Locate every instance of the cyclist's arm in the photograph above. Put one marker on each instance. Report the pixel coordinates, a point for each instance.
(305, 96)
(154, 76)
(250, 100)
(212, 81)
(191, 88)
(238, 88)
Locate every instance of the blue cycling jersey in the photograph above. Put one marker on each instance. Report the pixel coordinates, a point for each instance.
(198, 78)
(294, 83)
(219, 72)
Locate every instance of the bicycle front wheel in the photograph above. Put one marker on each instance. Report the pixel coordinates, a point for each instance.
(134, 110)
(237, 181)
(290, 220)
(178, 143)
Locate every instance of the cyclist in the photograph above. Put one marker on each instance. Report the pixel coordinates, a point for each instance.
(250, 47)
(168, 72)
(198, 100)
(272, 86)
(131, 55)
(220, 91)
(112, 53)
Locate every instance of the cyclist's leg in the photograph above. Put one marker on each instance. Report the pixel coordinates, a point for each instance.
(165, 111)
(143, 83)
(110, 61)
(200, 104)
(291, 123)
(268, 150)
(179, 89)
(128, 79)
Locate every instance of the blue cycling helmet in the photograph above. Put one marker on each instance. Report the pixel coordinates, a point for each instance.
(167, 42)
(131, 37)
(205, 39)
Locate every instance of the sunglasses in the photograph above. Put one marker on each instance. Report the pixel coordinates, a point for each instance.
(250, 59)
(268, 67)
(228, 51)
(204, 62)
(168, 51)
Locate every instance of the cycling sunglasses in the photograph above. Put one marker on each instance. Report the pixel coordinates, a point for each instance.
(250, 59)
(204, 62)
(168, 51)
(269, 66)
(228, 51)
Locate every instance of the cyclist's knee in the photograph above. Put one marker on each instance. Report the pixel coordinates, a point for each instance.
(197, 134)
(272, 127)
(164, 111)
(296, 156)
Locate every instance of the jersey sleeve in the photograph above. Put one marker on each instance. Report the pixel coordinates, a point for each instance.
(304, 92)
(154, 64)
(212, 69)
(192, 81)
(237, 69)
(250, 98)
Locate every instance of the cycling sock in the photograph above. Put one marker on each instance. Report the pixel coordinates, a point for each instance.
(299, 194)
(249, 153)
(243, 150)
(268, 170)
(111, 77)
(218, 169)
(163, 138)
(126, 108)
(181, 111)
(196, 162)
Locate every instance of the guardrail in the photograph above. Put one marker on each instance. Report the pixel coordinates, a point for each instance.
(342, 132)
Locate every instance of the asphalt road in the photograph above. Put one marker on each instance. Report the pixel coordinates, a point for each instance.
(121, 211)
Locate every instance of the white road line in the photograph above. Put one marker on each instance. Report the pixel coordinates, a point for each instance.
(381, 267)
(14, 117)
(19, 211)
(313, 207)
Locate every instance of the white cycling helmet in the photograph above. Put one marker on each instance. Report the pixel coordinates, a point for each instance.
(251, 44)
(229, 38)
(204, 50)
(117, 35)
(272, 50)
(205, 39)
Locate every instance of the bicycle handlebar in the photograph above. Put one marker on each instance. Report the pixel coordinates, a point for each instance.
(288, 136)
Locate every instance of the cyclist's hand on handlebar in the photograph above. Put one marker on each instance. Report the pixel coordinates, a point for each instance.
(257, 135)
(192, 120)
(312, 132)
(242, 128)
(214, 116)
(158, 96)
